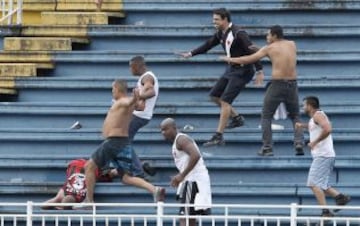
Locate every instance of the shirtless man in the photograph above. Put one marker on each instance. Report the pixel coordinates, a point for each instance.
(116, 147)
(283, 86)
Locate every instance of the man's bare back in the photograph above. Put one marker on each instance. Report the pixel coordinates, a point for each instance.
(116, 123)
(282, 54)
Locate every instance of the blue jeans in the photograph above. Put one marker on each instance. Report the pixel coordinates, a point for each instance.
(278, 91)
(136, 124)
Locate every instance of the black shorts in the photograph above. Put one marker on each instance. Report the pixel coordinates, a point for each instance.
(228, 87)
(187, 195)
(116, 151)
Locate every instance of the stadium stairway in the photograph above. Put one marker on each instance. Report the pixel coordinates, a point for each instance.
(36, 141)
(17, 58)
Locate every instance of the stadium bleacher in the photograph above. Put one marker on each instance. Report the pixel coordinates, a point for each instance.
(57, 71)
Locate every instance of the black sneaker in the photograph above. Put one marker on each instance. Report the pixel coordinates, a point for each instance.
(216, 139)
(327, 213)
(341, 200)
(236, 121)
(266, 152)
(299, 150)
(149, 169)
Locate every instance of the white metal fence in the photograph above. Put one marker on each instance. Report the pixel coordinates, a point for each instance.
(9, 9)
(163, 214)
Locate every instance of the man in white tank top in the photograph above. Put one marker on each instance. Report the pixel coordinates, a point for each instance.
(149, 91)
(192, 181)
(323, 153)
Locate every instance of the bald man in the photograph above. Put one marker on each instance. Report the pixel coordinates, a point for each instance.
(193, 177)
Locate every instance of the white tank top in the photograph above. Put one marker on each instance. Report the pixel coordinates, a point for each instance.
(149, 103)
(325, 148)
(181, 160)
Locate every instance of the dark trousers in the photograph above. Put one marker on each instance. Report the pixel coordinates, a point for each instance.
(136, 124)
(278, 91)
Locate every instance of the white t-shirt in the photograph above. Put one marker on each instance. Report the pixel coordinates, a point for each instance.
(199, 174)
(324, 148)
(149, 103)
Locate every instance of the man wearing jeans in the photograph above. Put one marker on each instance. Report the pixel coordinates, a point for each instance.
(282, 88)
(149, 91)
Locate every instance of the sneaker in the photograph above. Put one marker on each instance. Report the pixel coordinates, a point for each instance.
(341, 200)
(216, 139)
(327, 213)
(159, 195)
(149, 169)
(266, 152)
(299, 150)
(236, 121)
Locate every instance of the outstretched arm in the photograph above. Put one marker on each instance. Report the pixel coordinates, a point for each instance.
(250, 59)
(209, 44)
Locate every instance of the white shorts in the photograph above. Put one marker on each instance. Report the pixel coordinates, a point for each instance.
(199, 194)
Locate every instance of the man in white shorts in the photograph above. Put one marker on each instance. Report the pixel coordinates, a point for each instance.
(193, 177)
(323, 153)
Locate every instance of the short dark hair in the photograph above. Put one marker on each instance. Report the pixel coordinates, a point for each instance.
(139, 60)
(277, 30)
(122, 85)
(313, 101)
(223, 13)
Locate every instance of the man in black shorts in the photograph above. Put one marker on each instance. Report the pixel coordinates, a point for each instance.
(235, 42)
(116, 148)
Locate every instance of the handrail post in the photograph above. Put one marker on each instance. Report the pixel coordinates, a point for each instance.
(29, 212)
(159, 213)
(3, 10)
(19, 12)
(293, 214)
(10, 11)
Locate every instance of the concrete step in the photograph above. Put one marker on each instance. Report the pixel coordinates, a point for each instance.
(7, 83)
(88, 5)
(54, 31)
(22, 69)
(282, 194)
(79, 18)
(66, 5)
(18, 69)
(42, 43)
(185, 37)
(238, 170)
(198, 115)
(7, 91)
(242, 141)
(25, 57)
(195, 88)
(113, 63)
(244, 12)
